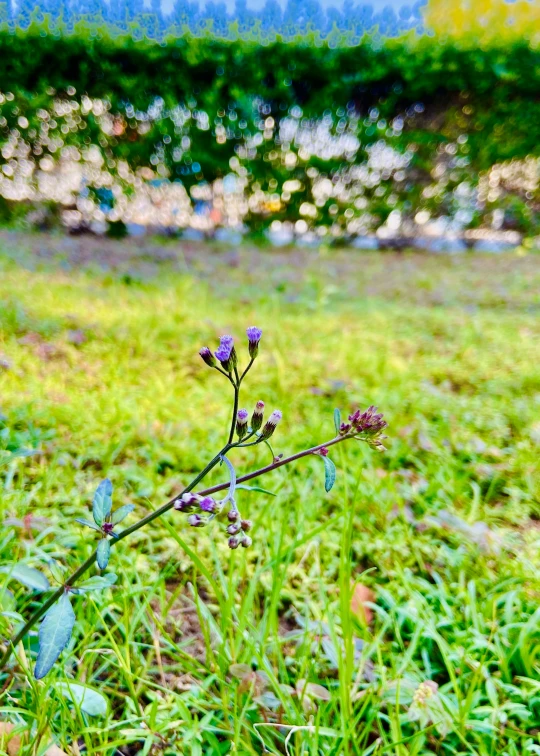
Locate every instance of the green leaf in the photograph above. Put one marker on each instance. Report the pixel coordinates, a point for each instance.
(97, 583)
(89, 700)
(258, 489)
(122, 513)
(57, 570)
(337, 419)
(103, 553)
(27, 576)
(329, 473)
(54, 634)
(87, 523)
(102, 504)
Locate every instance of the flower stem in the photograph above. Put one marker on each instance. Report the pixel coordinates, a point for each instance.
(80, 571)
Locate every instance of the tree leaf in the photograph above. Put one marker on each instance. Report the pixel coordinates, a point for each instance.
(122, 513)
(329, 474)
(87, 523)
(54, 634)
(97, 583)
(103, 553)
(258, 489)
(89, 700)
(102, 503)
(337, 419)
(28, 576)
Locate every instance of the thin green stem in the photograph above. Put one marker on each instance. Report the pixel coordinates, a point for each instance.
(235, 411)
(80, 571)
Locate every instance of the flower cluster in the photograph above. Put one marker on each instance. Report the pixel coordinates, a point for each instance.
(238, 530)
(368, 424)
(200, 507)
(225, 354)
(249, 431)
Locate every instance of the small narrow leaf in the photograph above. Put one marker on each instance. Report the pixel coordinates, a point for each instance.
(28, 576)
(87, 523)
(97, 583)
(87, 699)
(329, 473)
(57, 570)
(122, 513)
(337, 419)
(54, 634)
(102, 503)
(258, 489)
(103, 553)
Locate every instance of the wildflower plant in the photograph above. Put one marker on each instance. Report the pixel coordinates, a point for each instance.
(200, 507)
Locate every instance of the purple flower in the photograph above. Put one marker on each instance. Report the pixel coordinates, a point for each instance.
(257, 417)
(241, 422)
(254, 336)
(225, 352)
(369, 422)
(187, 502)
(196, 521)
(208, 504)
(207, 356)
(271, 423)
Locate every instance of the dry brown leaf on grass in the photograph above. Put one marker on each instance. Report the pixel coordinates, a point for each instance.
(12, 742)
(361, 596)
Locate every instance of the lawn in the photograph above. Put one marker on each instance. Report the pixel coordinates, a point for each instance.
(397, 614)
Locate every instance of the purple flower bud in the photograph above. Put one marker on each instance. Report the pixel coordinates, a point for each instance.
(271, 423)
(369, 422)
(254, 336)
(207, 356)
(246, 542)
(233, 542)
(225, 352)
(107, 528)
(257, 417)
(241, 422)
(233, 529)
(246, 525)
(232, 515)
(208, 504)
(196, 521)
(187, 502)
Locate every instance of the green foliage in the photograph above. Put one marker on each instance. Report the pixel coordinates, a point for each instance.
(447, 346)
(54, 634)
(440, 92)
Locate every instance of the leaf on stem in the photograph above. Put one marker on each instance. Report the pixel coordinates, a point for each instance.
(329, 473)
(103, 553)
(28, 576)
(258, 489)
(87, 523)
(54, 634)
(97, 583)
(122, 513)
(337, 419)
(102, 503)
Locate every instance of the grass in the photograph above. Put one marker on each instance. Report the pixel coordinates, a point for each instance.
(200, 650)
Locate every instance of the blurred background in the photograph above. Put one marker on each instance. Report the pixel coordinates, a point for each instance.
(395, 125)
